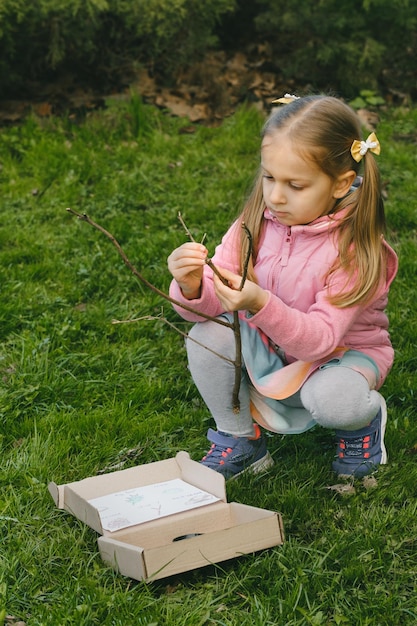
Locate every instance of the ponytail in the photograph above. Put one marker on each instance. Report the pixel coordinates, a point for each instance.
(360, 236)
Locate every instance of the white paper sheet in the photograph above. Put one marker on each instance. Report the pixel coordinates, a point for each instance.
(143, 504)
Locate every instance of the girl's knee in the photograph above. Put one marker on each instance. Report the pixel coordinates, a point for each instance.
(339, 397)
(212, 335)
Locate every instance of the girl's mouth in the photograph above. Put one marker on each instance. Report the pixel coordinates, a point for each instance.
(276, 213)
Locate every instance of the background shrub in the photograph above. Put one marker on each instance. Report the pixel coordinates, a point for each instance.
(98, 38)
(346, 46)
(322, 45)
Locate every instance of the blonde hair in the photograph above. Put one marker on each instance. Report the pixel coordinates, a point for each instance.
(323, 128)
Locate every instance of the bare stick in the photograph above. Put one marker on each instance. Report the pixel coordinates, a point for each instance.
(238, 363)
(159, 318)
(248, 255)
(185, 227)
(235, 326)
(209, 262)
(216, 271)
(236, 323)
(83, 217)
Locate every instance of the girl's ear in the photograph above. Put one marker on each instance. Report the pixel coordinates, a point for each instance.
(343, 184)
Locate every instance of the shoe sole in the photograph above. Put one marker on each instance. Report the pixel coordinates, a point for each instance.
(258, 467)
(384, 455)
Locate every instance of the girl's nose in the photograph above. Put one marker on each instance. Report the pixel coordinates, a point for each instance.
(277, 195)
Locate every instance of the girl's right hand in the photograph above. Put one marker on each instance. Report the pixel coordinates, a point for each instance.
(186, 265)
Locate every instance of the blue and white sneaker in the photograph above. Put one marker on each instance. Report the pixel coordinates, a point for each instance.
(232, 456)
(359, 452)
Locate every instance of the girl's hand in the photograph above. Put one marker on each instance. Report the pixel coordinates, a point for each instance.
(186, 265)
(251, 298)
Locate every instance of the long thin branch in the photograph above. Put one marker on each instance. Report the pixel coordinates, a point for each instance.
(209, 262)
(236, 323)
(235, 326)
(236, 329)
(159, 318)
(248, 255)
(85, 218)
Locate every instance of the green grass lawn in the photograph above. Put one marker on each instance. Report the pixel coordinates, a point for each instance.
(79, 394)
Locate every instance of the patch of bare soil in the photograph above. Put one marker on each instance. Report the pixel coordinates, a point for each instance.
(206, 93)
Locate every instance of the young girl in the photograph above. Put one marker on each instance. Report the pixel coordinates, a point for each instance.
(315, 343)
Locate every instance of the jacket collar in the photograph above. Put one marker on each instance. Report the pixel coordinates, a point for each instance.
(321, 224)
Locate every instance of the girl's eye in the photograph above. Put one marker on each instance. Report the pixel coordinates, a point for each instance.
(296, 187)
(267, 176)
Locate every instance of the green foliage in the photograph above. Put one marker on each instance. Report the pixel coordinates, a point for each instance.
(344, 46)
(367, 98)
(79, 394)
(328, 45)
(100, 37)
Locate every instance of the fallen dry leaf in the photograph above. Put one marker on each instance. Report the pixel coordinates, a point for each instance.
(370, 482)
(43, 109)
(346, 489)
(206, 92)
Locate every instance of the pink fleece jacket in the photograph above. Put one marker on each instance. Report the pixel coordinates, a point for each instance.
(292, 264)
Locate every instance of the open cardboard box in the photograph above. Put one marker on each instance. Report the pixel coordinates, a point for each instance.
(178, 542)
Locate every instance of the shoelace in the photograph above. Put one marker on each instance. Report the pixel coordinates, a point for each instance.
(217, 452)
(356, 446)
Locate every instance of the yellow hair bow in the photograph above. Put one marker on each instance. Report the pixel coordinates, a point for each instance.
(286, 99)
(360, 148)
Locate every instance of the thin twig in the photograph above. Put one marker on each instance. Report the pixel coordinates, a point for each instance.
(235, 326)
(238, 363)
(248, 255)
(188, 231)
(157, 318)
(211, 265)
(85, 218)
(209, 262)
(185, 227)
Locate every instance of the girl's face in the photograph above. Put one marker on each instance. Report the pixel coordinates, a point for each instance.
(297, 191)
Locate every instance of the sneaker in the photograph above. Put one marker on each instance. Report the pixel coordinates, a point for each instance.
(359, 452)
(232, 456)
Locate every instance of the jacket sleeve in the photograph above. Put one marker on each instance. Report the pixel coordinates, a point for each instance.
(314, 334)
(309, 335)
(207, 303)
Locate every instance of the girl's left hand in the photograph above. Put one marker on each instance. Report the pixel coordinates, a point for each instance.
(251, 298)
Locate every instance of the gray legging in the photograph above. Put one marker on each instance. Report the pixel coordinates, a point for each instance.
(336, 397)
